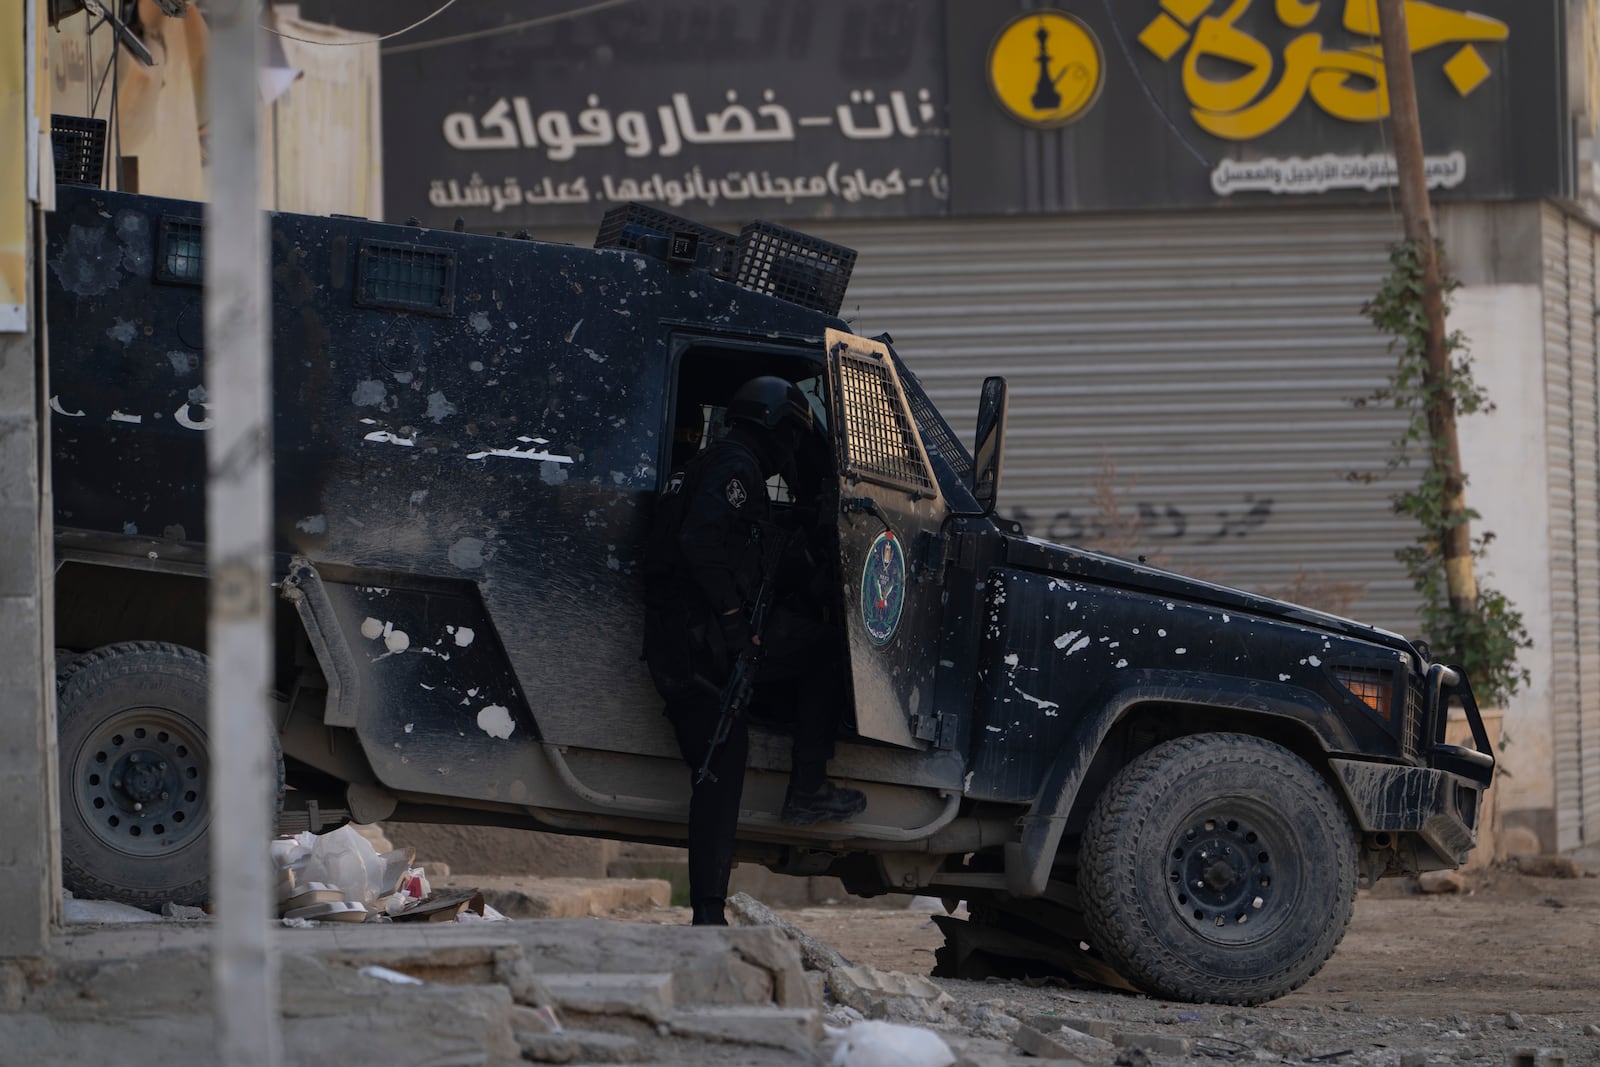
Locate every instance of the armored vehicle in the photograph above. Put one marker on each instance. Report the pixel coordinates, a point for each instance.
(1124, 772)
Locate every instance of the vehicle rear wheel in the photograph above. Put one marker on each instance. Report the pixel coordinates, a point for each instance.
(136, 775)
(1218, 867)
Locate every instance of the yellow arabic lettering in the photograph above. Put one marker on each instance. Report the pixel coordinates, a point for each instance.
(1228, 73)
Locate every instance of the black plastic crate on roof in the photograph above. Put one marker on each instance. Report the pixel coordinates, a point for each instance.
(794, 266)
(628, 225)
(79, 148)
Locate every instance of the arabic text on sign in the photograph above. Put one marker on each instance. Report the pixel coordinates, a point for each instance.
(1348, 83)
(1326, 173)
(694, 186)
(510, 123)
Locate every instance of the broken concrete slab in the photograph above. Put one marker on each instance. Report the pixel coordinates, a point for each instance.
(815, 955)
(888, 994)
(777, 1027)
(1165, 1044)
(647, 996)
(1097, 1028)
(1045, 1046)
(566, 898)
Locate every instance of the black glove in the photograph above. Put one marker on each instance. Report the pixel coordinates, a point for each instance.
(736, 633)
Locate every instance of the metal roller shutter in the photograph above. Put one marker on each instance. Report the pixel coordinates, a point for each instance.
(1563, 445)
(1211, 357)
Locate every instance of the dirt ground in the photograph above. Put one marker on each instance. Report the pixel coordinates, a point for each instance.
(1451, 979)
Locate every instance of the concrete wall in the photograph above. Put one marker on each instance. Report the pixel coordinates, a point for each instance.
(1495, 251)
(29, 882)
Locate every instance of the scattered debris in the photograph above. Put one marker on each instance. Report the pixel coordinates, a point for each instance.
(888, 994)
(746, 910)
(1443, 882)
(1547, 866)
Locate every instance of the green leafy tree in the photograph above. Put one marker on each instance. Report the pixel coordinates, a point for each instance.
(1483, 639)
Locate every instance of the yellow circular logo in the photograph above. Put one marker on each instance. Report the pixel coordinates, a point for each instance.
(1046, 69)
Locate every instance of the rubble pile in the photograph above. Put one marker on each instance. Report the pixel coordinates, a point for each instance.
(341, 876)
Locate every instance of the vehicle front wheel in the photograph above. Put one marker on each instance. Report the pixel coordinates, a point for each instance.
(136, 775)
(1218, 867)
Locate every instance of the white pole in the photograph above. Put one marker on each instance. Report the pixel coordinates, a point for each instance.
(238, 517)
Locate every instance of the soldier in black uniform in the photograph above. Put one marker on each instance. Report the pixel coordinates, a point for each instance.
(703, 573)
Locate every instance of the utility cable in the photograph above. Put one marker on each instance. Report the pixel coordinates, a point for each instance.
(1127, 54)
(512, 27)
(332, 44)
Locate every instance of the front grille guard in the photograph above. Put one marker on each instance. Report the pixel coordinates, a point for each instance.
(1444, 685)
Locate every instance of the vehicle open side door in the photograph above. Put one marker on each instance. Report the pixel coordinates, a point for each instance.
(889, 500)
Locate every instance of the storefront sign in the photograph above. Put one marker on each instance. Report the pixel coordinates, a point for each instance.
(1046, 69)
(507, 117)
(529, 113)
(1217, 102)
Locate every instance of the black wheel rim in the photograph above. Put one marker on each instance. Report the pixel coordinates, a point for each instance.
(140, 780)
(1232, 873)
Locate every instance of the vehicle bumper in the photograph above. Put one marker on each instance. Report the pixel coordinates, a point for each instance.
(1438, 802)
(1438, 806)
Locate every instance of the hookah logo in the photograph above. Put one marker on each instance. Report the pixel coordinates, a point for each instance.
(1046, 69)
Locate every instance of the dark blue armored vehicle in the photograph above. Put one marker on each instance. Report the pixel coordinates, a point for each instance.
(470, 435)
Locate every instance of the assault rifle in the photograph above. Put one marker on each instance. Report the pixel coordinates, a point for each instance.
(741, 683)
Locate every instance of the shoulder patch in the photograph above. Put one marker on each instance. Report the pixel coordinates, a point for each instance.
(736, 493)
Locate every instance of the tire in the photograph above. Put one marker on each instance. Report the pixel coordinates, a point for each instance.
(1218, 867)
(136, 775)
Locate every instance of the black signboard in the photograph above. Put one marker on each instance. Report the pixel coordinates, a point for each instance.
(1134, 104)
(511, 113)
(523, 113)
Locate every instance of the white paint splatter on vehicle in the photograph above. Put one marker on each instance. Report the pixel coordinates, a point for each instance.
(395, 640)
(55, 406)
(1049, 707)
(992, 729)
(1067, 638)
(530, 450)
(1315, 662)
(1161, 633)
(371, 628)
(1284, 677)
(1012, 659)
(966, 783)
(1122, 663)
(496, 721)
(122, 416)
(464, 635)
(384, 437)
(313, 524)
(410, 725)
(1180, 651)
(1077, 646)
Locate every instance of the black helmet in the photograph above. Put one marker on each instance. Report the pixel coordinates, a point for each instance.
(770, 403)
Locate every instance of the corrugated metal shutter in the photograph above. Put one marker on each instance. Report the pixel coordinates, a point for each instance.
(1572, 371)
(1570, 448)
(1211, 357)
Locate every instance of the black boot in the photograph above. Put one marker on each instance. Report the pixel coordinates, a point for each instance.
(708, 913)
(827, 803)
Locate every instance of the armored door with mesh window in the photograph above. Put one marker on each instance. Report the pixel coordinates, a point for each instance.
(890, 513)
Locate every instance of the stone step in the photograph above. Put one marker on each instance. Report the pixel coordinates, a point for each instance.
(643, 996)
(583, 1046)
(771, 1027)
